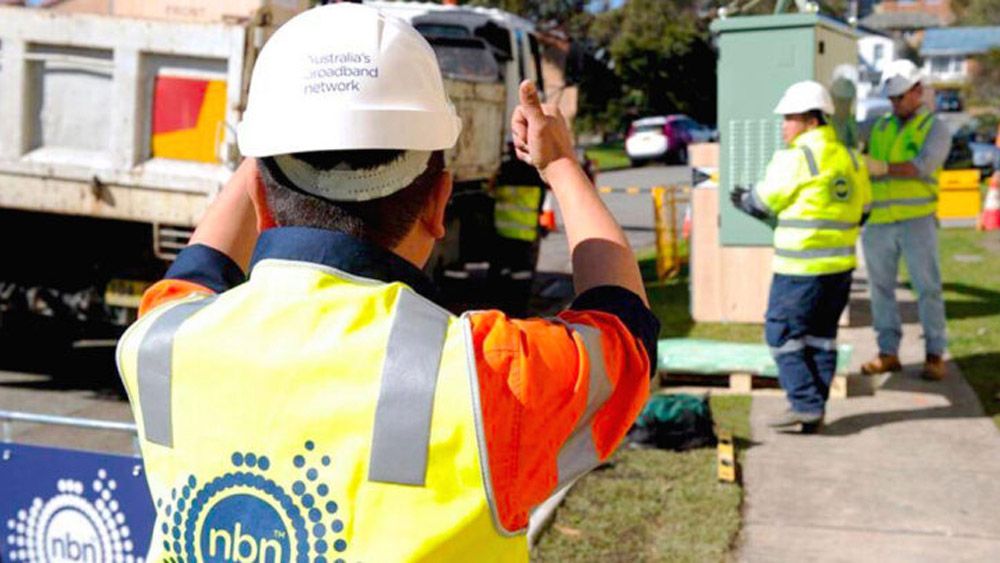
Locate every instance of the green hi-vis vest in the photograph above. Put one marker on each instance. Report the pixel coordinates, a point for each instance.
(310, 415)
(899, 199)
(818, 191)
(516, 214)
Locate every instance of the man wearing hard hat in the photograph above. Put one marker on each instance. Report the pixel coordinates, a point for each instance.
(325, 408)
(906, 150)
(817, 191)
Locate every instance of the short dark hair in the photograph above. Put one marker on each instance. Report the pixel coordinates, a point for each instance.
(384, 221)
(817, 115)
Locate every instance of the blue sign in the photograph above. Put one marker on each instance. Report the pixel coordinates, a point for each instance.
(66, 505)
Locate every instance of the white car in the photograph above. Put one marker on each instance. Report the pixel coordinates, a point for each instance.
(664, 137)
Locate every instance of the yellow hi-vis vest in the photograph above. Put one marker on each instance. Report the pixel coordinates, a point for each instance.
(899, 199)
(817, 190)
(516, 213)
(309, 415)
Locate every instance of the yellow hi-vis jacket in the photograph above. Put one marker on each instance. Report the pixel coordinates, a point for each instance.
(264, 442)
(818, 191)
(517, 211)
(899, 199)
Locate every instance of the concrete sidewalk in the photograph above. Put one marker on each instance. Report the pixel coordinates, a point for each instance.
(909, 472)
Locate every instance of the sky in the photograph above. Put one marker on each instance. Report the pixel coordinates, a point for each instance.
(597, 4)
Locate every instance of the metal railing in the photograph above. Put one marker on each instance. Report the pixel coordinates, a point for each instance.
(8, 418)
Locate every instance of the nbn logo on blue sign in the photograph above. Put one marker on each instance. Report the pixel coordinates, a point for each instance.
(246, 529)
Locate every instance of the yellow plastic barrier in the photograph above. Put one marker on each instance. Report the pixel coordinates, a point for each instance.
(959, 197)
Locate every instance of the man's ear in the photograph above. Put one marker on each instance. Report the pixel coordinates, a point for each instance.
(258, 195)
(434, 212)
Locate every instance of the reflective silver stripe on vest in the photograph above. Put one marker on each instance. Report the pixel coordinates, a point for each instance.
(854, 159)
(817, 224)
(402, 432)
(925, 121)
(514, 226)
(912, 201)
(789, 347)
(815, 252)
(579, 454)
(516, 207)
(828, 344)
(810, 160)
(154, 371)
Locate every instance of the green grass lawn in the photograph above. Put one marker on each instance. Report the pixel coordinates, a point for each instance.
(609, 157)
(970, 270)
(655, 505)
(652, 505)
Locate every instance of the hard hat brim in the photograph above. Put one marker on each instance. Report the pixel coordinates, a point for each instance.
(897, 86)
(355, 130)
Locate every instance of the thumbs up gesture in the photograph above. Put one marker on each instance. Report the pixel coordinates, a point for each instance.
(541, 136)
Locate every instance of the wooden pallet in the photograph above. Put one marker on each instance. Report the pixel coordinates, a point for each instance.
(743, 382)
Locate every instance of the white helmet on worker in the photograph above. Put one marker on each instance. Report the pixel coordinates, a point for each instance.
(899, 76)
(346, 77)
(803, 97)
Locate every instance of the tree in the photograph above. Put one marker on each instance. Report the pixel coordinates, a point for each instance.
(985, 84)
(663, 56)
(978, 12)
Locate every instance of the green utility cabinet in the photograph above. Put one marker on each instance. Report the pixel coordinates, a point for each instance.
(759, 57)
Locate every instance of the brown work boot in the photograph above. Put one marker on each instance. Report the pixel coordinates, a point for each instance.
(884, 363)
(934, 368)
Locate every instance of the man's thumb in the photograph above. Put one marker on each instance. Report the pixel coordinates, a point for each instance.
(529, 98)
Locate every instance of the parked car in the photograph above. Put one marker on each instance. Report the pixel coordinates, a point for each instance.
(947, 100)
(665, 137)
(979, 150)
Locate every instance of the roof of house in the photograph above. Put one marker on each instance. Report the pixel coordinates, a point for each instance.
(960, 40)
(901, 20)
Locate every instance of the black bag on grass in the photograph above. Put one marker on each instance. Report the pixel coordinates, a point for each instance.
(674, 422)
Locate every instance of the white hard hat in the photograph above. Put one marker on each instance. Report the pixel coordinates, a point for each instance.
(804, 96)
(346, 77)
(899, 76)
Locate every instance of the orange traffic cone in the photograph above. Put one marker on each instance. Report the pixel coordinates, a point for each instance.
(547, 219)
(990, 219)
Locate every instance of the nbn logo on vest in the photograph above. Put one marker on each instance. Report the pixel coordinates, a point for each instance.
(245, 529)
(245, 516)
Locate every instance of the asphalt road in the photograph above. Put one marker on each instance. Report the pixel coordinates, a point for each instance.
(633, 211)
(84, 383)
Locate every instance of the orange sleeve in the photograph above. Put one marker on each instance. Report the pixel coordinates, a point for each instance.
(168, 290)
(534, 379)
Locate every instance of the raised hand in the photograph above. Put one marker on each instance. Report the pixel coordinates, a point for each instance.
(541, 136)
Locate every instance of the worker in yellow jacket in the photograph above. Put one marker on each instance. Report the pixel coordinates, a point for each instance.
(325, 407)
(818, 194)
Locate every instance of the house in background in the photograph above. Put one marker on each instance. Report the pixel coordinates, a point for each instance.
(948, 52)
(906, 20)
(913, 14)
(875, 50)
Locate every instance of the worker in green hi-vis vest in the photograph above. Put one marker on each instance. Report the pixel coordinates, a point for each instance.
(906, 150)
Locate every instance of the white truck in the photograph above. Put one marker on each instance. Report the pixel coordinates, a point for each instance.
(116, 133)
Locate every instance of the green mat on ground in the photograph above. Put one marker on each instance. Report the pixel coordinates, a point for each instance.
(713, 357)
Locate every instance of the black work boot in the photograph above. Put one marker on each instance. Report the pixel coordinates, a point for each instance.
(811, 422)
